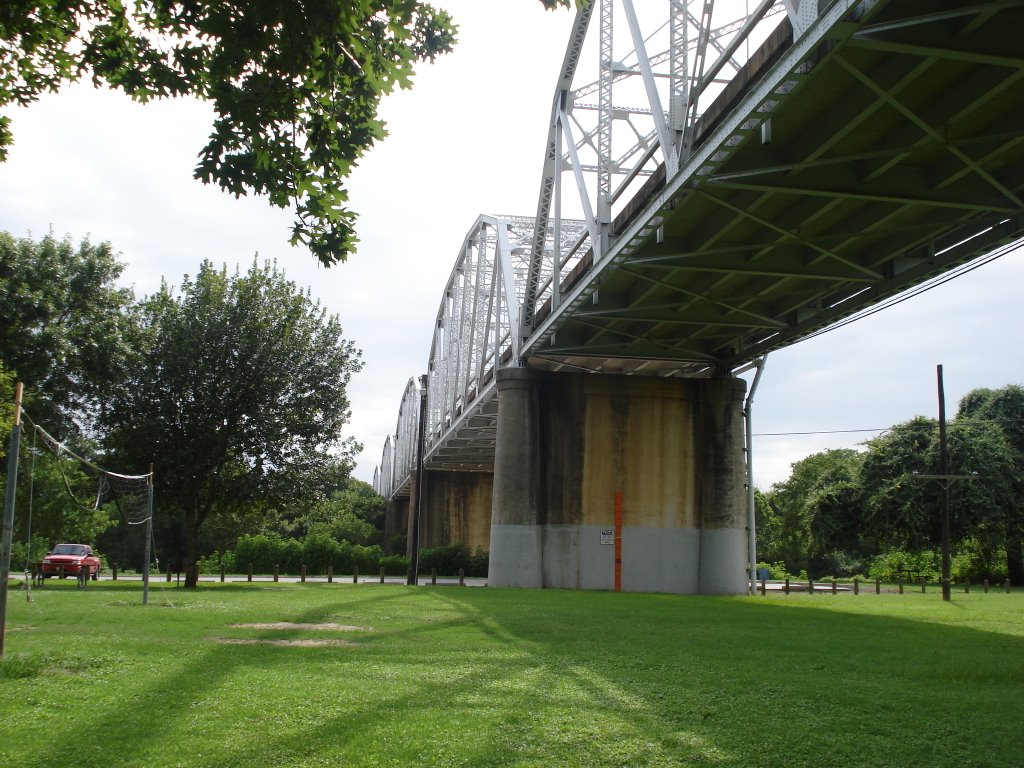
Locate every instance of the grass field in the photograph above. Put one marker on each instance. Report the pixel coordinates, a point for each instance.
(369, 675)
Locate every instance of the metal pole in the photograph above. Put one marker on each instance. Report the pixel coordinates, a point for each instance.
(414, 514)
(748, 423)
(944, 471)
(149, 538)
(8, 532)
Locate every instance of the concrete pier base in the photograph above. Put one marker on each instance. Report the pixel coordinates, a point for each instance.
(673, 449)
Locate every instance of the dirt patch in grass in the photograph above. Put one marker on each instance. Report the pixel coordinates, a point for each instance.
(326, 626)
(305, 643)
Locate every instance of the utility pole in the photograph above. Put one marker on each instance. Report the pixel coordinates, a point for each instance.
(945, 480)
(944, 470)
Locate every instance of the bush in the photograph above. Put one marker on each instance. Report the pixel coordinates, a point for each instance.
(890, 565)
(974, 562)
(211, 564)
(395, 565)
(776, 571)
(449, 560)
(317, 552)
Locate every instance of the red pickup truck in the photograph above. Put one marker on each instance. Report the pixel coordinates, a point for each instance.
(69, 560)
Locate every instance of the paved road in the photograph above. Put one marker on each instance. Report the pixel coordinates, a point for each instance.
(442, 581)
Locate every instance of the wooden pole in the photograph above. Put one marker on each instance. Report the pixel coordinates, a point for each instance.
(8, 530)
(944, 471)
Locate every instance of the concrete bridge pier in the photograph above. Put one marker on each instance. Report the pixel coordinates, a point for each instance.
(672, 448)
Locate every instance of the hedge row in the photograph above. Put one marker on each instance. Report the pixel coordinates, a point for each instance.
(318, 551)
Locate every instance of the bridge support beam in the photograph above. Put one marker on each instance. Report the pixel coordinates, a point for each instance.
(567, 443)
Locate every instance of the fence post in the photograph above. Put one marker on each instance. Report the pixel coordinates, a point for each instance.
(60, 571)
(901, 585)
(462, 581)
(923, 580)
(381, 575)
(302, 574)
(277, 571)
(786, 588)
(248, 573)
(967, 586)
(810, 586)
(986, 586)
(222, 571)
(878, 586)
(355, 574)
(168, 575)
(330, 573)
(113, 571)
(433, 576)
(1007, 585)
(856, 585)
(833, 586)
(763, 592)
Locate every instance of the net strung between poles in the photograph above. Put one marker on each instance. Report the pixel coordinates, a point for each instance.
(129, 493)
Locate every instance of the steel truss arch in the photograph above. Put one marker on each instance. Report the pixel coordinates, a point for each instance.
(398, 462)
(655, 77)
(478, 330)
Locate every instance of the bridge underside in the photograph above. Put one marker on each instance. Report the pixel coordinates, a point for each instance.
(826, 179)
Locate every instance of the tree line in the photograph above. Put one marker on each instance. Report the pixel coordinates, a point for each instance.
(232, 386)
(875, 512)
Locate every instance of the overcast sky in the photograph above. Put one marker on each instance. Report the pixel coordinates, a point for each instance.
(468, 139)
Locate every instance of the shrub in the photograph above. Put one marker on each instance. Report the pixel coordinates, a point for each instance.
(394, 565)
(211, 563)
(977, 563)
(776, 571)
(448, 560)
(890, 565)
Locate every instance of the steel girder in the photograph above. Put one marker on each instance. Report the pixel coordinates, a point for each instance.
(654, 75)
(383, 476)
(478, 330)
(874, 149)
(398, 463)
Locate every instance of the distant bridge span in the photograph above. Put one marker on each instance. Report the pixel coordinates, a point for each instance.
(716, 188)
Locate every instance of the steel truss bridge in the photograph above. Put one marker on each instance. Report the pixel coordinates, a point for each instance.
(715, 188)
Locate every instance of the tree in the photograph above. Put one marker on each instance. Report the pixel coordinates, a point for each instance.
(295, 84)
(236, 394)
(62, 324)
(817, 509)
(353, 513)
(1003, 409)
(900, 509)
(903, 508)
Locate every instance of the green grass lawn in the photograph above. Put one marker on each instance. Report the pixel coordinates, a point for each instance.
(485, 677)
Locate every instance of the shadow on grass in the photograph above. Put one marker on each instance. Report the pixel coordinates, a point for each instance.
(502, 678)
